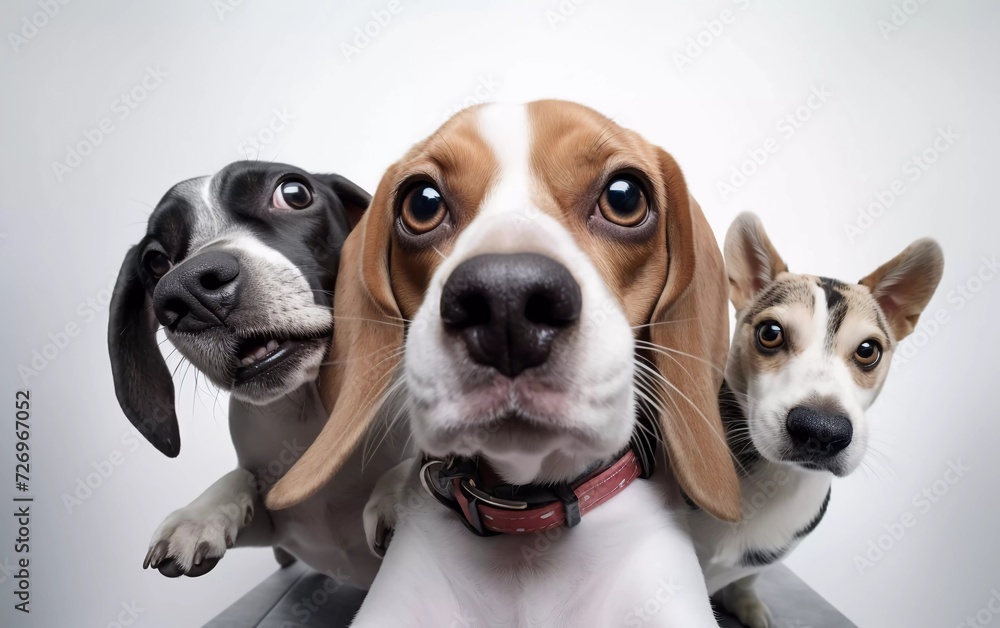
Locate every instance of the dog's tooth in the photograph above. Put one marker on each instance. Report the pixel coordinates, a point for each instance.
(272, 344)
(247, 361)
(260, 353)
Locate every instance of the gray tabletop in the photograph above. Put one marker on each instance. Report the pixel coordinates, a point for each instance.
(297, 596)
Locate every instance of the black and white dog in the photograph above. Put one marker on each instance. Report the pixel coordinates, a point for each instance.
(239, 269)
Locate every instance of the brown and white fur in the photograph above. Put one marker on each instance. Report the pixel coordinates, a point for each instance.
(528, 186)
(795, 397)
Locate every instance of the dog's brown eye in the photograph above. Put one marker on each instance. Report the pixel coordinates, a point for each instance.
(157, 264)
(423, 209)
(623, 202)
(770, 335)
(292, 194)
(868, 353)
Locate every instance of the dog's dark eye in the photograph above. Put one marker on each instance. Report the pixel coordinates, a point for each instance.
(157, 264)
(423, 209)
(868, 353)
(292, 194)
(770, 335)
(623, 202)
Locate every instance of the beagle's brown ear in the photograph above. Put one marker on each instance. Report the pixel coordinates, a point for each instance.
(904, 285)
(752, 262)
(368, 336)
(690, 323)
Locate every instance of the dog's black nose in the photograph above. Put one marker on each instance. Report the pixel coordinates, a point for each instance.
(198, 294)
(819, 433)
(510, 308)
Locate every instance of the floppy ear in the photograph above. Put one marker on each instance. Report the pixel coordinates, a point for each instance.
(142, 381)
(351, 195)
(752, 262)
(691, 324)
(368, 334)
(905, 284)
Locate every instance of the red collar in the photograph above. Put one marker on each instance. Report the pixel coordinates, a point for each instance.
(508, 509)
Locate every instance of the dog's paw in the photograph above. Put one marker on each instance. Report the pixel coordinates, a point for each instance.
(379, 520)
(750, 610)
(380, 512)
(191, 540)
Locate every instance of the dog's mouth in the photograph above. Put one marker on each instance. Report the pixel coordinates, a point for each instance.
(832, 465)
(258, 354)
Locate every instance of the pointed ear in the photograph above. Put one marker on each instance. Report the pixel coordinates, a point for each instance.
(691, 323)
(142, 381)
(904, 285)
(351, 195)
(752, 262)
(365, 355)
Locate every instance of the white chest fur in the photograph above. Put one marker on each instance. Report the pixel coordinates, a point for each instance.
(780, 502)
(629, 562)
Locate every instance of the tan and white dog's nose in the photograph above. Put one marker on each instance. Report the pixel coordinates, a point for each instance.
(510, 308)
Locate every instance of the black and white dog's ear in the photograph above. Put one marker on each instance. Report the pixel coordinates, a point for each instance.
(351, 195)
(143, 385)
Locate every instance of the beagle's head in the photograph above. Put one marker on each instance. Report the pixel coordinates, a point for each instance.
(238, 268)
(810, 354)
(528, 278)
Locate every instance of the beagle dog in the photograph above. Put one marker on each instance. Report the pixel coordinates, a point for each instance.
(536, 285)
(809, 356)
(239, 269)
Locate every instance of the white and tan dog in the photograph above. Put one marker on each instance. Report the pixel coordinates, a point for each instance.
(539, 287)
(809, 356)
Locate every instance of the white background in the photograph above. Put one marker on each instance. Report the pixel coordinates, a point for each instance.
(62, 237)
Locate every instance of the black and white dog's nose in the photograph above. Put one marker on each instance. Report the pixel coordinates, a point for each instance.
(198, 294)
(510, 308)
(819, 433)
